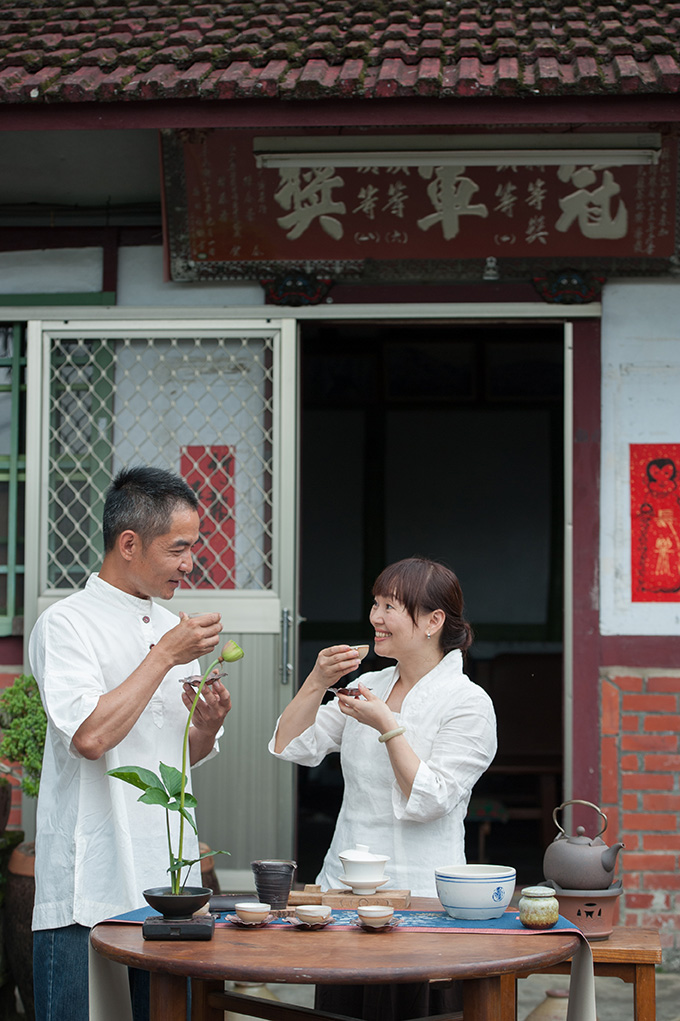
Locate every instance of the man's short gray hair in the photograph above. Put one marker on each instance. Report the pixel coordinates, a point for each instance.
(143, 500)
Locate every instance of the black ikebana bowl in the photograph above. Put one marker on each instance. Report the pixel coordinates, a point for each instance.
(177, 905)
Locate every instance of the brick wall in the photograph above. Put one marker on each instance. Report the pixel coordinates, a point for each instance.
(640, 793)
(6, 679)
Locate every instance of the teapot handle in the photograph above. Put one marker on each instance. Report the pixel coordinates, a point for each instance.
(588, 804)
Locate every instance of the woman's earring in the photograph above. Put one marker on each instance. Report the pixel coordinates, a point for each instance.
(429, 635)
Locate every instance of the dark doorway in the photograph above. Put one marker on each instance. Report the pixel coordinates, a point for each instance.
(443, 440)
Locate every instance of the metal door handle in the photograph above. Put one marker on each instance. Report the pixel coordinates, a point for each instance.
(286, 668)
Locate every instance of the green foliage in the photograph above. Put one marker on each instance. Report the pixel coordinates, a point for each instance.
(169, 789)
(24, 724)
(156, 791)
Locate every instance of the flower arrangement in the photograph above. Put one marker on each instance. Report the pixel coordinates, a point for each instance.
(169, 789)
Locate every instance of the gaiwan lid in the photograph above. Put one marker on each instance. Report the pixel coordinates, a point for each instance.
(361, 852)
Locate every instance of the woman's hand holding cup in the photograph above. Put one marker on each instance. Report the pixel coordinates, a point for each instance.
(333, 663)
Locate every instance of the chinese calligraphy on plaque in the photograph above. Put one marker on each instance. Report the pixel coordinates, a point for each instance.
(655, 521)
(235, 211)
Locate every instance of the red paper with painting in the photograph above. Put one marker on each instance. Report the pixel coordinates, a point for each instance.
(655, 522)
(210, 473)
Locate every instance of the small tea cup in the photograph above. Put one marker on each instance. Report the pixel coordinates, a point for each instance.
(375, 915)
(362, 650)
(252, 911)
(311, 914)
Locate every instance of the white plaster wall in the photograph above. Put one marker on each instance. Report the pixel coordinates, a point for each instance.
(140, 282)
(51, 271)
(640, 404)
(140, 278)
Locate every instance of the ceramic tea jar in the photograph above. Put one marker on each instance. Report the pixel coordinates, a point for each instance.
(538, 907)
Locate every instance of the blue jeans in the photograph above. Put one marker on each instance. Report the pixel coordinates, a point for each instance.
(60, 986)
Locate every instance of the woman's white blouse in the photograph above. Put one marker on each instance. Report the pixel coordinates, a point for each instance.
(451, 726)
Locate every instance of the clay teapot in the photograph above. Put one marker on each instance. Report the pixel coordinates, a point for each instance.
(580, 862)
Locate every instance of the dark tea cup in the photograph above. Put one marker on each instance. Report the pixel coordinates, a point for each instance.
(273, 881)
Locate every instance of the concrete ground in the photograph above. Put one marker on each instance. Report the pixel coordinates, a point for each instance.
(614, 997)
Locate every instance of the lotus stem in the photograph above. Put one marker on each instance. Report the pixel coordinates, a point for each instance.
(180, 847)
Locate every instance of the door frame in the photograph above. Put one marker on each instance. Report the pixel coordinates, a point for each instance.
(580, 661)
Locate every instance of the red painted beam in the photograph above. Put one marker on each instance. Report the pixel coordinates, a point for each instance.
(417, 114)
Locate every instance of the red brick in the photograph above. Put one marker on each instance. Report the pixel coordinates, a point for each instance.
(632, 882)
(630, 802)
(649, 743)
(663, 684)
(648, 863)
(659, 921)
(639, 900)
(628, 763)
(663, 762)
(627, 683)
(661, 841)
(632, 842)
(662, 881)
(648, 781)
(650, 703)
(630, 723)
(662, 802)
(648, 821)
(610, 708)
(613, 825)
(666, 722)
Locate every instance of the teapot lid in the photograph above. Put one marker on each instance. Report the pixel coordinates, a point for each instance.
(583, 840)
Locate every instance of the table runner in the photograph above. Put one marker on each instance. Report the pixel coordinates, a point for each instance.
(424, 921)
(109, 993)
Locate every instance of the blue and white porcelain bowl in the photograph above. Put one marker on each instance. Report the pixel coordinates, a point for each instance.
(475, 891)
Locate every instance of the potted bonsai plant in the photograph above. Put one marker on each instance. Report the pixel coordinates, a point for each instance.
(24, 725)
(167, 788)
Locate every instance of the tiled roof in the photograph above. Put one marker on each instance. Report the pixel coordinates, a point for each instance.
(104, 50)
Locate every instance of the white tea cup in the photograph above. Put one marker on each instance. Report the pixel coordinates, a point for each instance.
(375, 915)
(313, 913)
(252, 911)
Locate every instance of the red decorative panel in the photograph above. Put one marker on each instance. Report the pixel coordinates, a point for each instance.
(210, 473)
(655, 522)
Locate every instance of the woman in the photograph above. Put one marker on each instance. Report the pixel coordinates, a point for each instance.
(413, 746)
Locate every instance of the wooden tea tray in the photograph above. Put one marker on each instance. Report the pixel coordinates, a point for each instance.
(311, 894)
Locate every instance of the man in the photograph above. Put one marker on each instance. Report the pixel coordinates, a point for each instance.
(108, 661)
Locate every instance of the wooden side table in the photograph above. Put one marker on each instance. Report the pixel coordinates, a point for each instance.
(629, 954)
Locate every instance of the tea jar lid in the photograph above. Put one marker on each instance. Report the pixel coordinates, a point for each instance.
(537, 891)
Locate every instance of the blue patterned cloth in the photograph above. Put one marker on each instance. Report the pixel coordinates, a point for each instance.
(508, 922)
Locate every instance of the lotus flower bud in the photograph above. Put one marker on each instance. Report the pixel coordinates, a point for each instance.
(231, 652)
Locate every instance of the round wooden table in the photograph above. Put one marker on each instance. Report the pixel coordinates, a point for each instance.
(340, 956)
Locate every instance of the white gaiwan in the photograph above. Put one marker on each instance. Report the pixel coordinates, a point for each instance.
(364, 871)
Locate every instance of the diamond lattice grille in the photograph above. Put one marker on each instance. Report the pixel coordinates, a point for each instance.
(200, 406)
